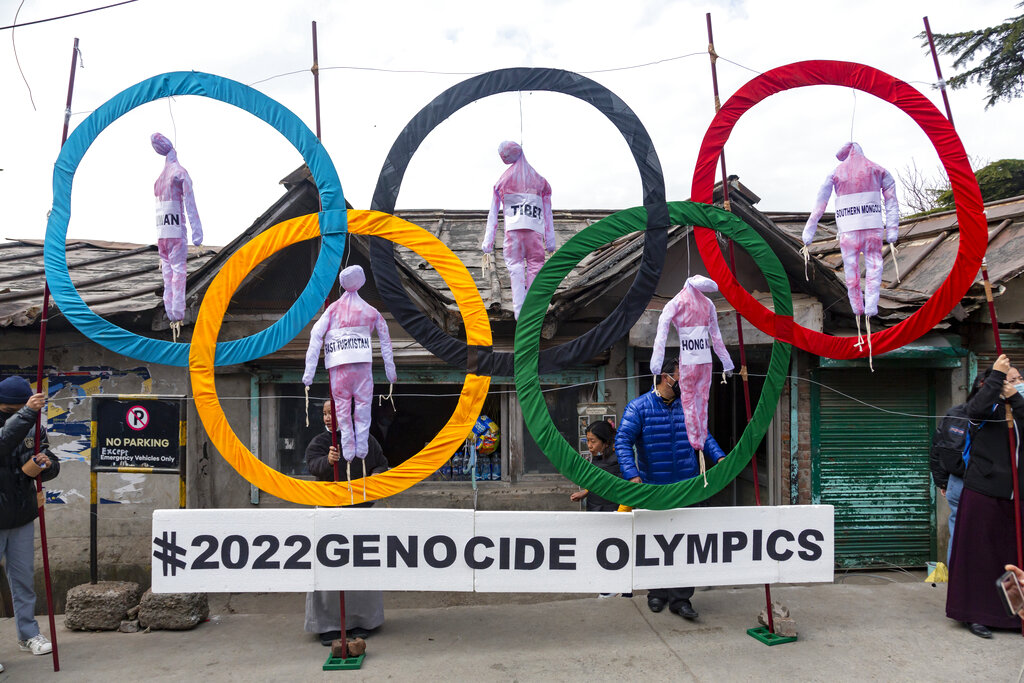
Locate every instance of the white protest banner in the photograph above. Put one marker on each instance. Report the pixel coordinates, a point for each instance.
(462, 550)
(362, 549)
(200, 551)
(736, 545)
(570, 550)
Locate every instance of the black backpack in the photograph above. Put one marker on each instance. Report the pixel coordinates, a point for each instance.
(951, 444)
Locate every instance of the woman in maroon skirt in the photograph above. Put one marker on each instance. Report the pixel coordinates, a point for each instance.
(985, 537)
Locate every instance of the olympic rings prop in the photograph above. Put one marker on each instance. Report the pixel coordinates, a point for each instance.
(966, 194)
(616, 324)
(285, 122)
(527, 343)
(204, 341)
(477, 353)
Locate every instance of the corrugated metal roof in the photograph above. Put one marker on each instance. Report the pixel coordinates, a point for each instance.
(462, 232)
(112, 277)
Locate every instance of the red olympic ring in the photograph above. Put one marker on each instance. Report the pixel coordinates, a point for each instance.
(966, 194)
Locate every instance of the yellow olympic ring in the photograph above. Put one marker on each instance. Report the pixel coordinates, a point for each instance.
(207, 328)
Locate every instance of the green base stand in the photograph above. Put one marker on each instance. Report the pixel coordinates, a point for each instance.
(337, 663)
(767, 637)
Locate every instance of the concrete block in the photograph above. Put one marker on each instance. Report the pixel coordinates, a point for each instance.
(785, 627)
(356, 647)
(129, 626)
(173, 611)
(784, 624)
(779, 611)
(100, 606)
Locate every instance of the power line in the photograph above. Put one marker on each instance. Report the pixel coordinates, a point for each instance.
(471, 73)
(63, 16)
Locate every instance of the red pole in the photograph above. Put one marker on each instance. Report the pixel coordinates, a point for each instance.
(316, 82)
(938, 70)
(334, 443)
(739, 321)
(1011, 434)
(39, 389)
(334, 427)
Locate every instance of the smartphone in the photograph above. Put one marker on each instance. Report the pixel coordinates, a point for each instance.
(1010, 590)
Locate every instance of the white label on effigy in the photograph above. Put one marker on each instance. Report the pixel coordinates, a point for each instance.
(859, 211)
(523, 212)
(346, 345)
(694, 346)
(169, 221)
(463, 550)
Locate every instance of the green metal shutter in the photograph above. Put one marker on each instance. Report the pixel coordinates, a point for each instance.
(1013, 347)
(873, 465)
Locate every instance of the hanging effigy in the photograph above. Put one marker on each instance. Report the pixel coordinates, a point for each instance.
(174, 201)
(343, 332)
(525, 197)
(695, 320)
(861, 188)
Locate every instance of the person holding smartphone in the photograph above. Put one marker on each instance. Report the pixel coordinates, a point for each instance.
(20, 465)
(984, 540)
(1009, 586)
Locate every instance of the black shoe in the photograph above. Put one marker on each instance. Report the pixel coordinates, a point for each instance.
(328, 637)
(979, 630)
(357, 633)
(656, 604)
(686, 611)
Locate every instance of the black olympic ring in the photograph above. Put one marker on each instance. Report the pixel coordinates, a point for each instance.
(485, 360)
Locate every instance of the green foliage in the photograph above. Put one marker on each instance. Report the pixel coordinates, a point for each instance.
(1001, 49)
(999, 180)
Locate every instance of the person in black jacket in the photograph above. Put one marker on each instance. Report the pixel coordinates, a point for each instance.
(985, 537)
(601, 444)
(364, 610)
(19, 505)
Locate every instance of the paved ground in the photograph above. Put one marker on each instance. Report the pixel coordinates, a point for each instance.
(863, 627)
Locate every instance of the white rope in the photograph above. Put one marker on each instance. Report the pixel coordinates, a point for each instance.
(805, 252)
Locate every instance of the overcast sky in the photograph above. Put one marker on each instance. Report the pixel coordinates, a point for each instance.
(781, 149)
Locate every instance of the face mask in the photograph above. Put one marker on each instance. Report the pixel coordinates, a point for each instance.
(1019, 388)
(676, 390)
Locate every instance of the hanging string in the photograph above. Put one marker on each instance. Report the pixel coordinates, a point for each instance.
(174, 125)
(520, 118)
(853, 114)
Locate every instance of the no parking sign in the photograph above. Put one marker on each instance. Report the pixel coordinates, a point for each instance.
(137, 433)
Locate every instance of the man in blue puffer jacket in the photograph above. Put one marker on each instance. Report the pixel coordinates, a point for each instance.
(655, 425)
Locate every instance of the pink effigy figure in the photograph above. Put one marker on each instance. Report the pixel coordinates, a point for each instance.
(694, 317)
(860, 186)
(343, 331)
(529, 228)
(174, 201)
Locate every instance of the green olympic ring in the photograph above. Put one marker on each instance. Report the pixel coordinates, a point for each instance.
(527, 353)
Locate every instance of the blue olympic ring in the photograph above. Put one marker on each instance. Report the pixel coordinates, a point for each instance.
(333, 220)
